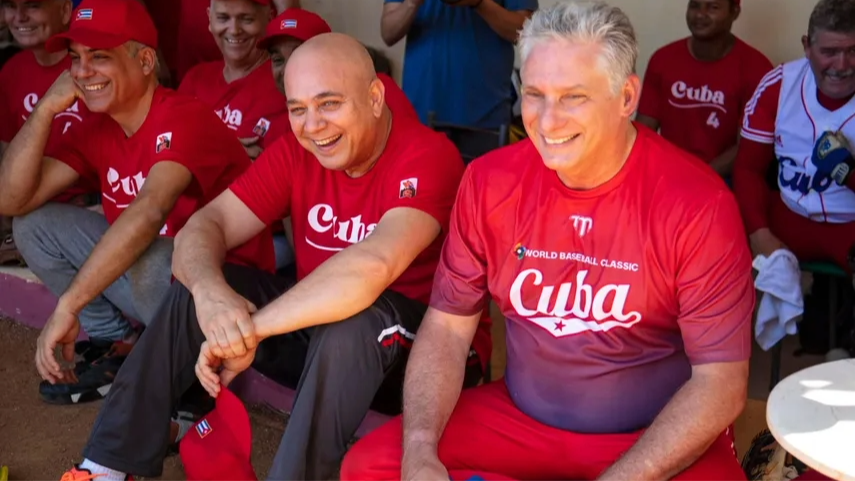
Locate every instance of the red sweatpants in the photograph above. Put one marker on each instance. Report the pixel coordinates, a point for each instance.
(489, 436)
(811, 241)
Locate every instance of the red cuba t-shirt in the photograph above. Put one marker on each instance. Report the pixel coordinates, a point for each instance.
(178, 129)
(612, 294)
(249, 106)
(330, 211)
(699, 104)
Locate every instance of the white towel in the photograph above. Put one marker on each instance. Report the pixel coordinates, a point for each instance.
(779, 278)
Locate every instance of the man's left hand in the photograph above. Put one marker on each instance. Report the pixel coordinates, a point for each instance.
(208, 364)
(830, 150)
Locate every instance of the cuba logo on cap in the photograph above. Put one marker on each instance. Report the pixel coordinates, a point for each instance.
(288, 23)
(84, 14)
(204, 428)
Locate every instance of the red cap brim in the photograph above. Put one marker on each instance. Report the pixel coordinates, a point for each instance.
(89, 38)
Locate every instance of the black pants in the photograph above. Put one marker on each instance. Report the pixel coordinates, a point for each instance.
(341, 367)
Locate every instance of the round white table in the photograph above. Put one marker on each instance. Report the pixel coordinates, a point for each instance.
(812, 415)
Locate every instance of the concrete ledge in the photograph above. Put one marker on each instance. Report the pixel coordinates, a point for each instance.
(26, 300)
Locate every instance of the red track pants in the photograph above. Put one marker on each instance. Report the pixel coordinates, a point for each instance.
(809, 240)
(489, 436)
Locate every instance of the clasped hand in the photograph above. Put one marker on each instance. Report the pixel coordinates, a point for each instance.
(230, 342)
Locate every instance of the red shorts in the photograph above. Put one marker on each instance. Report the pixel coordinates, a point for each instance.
(811, 241)
(489, 436)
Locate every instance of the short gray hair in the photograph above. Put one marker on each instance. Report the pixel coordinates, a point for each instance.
(134, 48)
(832, 16)
(586, 21)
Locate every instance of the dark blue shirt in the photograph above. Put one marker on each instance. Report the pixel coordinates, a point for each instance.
(458, 67)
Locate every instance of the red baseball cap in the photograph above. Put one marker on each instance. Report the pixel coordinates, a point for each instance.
(106, 24)
(294, 22)
(219, 446)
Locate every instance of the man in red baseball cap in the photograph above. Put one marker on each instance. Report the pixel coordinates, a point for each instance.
(293, 27)
(154, 155)
(25, 79)
(696, 89)
(185, 39)
(238, 85)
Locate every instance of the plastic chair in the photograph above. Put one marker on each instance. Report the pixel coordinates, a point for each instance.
(472, 142)
(817, 269)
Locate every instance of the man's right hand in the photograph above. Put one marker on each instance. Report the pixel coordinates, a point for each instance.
(763, 242)
(61, 95)
(225, 319)
(60, 330)
(422, 465)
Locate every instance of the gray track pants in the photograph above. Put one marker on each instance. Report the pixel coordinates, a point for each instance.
(56, 240)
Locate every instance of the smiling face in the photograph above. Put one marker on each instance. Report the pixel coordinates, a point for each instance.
(33, 22)
(112, 80)
(710, 18)
(569, 108)
(832, 60)
(236, 26)
(335, 105)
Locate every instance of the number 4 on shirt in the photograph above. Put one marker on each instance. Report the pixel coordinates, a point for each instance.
(713, 120)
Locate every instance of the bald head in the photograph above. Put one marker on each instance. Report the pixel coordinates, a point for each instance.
(336, 102)
(332, 54)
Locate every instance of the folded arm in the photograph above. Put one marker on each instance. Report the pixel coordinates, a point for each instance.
(353, 279)
(129, 236)
(504, 22)
(27, 178)
(397, 19)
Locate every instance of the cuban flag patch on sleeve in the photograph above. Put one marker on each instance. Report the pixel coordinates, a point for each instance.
(203, 428)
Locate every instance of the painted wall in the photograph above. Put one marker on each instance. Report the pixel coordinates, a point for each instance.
(773, 26)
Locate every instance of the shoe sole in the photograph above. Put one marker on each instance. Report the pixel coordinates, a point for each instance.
(77, 398)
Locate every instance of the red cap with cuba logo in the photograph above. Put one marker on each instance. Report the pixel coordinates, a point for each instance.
(294, 22)
(107, 24)
(219, 446)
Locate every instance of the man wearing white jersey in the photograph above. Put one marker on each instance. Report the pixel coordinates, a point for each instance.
(803, 116)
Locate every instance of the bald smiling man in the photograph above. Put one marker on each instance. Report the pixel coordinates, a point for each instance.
(370, 196)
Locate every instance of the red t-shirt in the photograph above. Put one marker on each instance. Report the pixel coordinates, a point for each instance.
(396, 99)
(179, 129)
(23, 82)
(331, 211)
(699, 104)
(183, 34)
(249, 106)
(610, 294)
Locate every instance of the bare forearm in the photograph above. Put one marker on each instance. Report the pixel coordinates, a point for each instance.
(723, 164)
(21, 164)
(432, 384)
(344, 285)
(200, 251)
(120, 247)
(504, 22)
(394, 24)
(683, 431)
